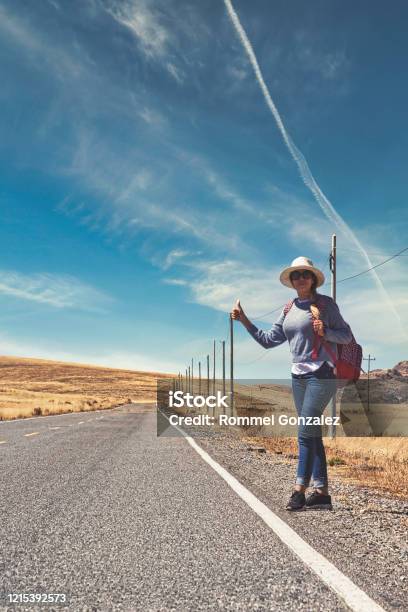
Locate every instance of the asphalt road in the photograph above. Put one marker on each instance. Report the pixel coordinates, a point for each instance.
(97, 507)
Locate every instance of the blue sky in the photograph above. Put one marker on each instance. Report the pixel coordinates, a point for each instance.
(146, 185)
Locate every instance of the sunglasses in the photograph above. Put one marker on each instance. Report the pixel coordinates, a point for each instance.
(301, 274)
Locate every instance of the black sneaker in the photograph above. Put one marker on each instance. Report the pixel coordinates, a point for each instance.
(318, 501)
(297, 501)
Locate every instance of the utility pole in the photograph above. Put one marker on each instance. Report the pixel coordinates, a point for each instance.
(192, 376)
(369, 359)
(186, 385)
(214, 367)
(208, 375)
(189, 379)
(333, 265)
(223, 366)
(232, 363)
(199, 378)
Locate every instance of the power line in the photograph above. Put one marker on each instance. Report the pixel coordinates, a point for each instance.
(259, 317)
(371, 253)
(376, 266)
(265, 353)
(265, 314)
(261, 356)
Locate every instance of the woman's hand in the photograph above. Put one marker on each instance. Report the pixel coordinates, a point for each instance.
(318, 327)
(239, 315)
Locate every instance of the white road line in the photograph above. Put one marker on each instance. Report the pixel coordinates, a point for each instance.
(44, 416)
(80, 422)
(355, 598)
(33, 433)
(48, 416)
(3, 441)
(58, 427)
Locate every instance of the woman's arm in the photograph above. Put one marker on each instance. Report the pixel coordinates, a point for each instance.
(268, 339)
(337, 329)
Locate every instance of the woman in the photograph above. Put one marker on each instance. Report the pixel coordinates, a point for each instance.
(313, 377)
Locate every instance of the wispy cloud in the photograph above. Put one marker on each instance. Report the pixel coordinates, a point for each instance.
(55, 5)
(152, 117)
(140, 182)
(327, 63)
(144, 22)
(176, 73)
(149, 197)
(303, 167)
(173, 256)
(148, 25)
(59, 291)
(120, 186)
(178, 282)
(238, 71)
(214, 179)
(114, 358)
(218, 284)
(63, 64)
(301, 229)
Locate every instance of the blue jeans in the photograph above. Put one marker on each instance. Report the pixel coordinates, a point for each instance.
(312, 392)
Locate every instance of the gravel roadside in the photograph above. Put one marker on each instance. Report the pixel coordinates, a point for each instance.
(365, 535)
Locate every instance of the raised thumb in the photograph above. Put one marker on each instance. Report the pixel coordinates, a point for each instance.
(238, 305)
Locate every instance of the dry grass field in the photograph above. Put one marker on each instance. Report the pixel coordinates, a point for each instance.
(379, 462)
(34, 387)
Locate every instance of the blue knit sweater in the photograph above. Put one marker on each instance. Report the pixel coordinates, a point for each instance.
(297, 329)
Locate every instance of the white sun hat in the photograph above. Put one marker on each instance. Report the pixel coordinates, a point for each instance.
(301, 263)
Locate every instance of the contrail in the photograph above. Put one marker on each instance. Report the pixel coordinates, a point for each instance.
(301, 162)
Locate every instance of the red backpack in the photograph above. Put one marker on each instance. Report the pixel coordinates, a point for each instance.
(350, 355)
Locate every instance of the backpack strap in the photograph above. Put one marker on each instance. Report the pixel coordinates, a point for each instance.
(287, 307)
(319, 305)
(320, 302)
(318, 340)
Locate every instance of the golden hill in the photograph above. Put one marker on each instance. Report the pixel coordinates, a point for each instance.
(39, 387)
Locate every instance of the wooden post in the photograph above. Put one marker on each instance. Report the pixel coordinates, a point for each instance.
(199, 378)
(333, 264)
(214, 343)
(208, 375)
(223, 366)
(369, 359)
(232, 363)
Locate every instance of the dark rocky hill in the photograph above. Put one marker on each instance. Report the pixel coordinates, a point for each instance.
(398, 371)
(388, 386)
